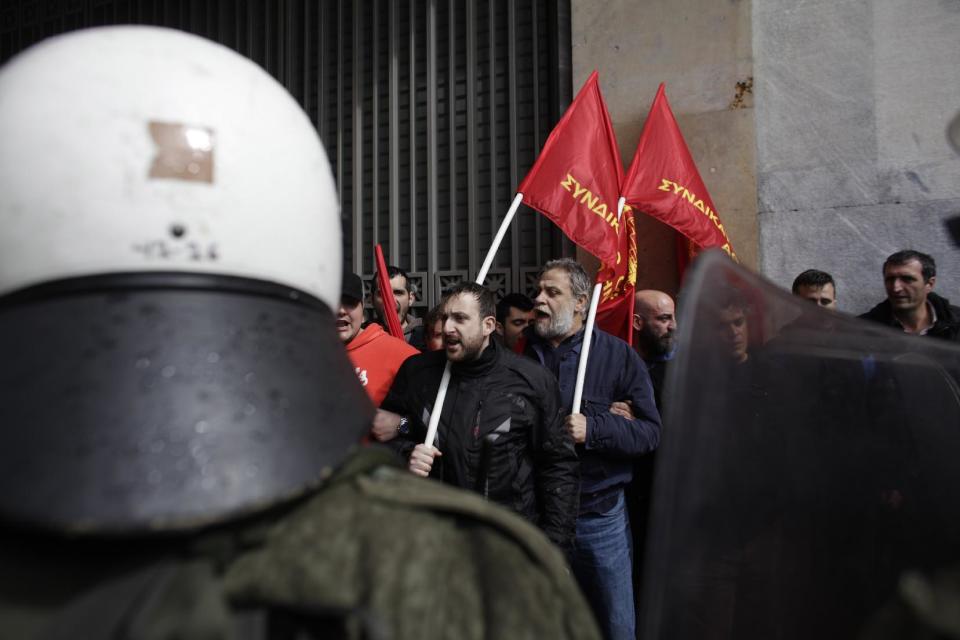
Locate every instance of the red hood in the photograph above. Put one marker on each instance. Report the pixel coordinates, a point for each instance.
(370, 333)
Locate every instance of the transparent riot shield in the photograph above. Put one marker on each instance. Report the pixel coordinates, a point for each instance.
(809, 462)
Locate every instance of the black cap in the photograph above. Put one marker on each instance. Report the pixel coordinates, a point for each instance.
(352, 286)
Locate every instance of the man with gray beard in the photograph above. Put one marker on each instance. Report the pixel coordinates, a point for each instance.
(608, 443)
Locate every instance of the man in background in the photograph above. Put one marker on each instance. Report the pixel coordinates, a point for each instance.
(654, 324)
(433, 329)
(817, 287)
(404, 296)
(514, 314)
(374, 353)
(911, 304)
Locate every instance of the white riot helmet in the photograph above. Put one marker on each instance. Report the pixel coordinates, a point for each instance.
(169, 258)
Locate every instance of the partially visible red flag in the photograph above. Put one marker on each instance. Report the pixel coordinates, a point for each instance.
(686, 251)
(576, 180)
(386, 296)
(619, 278)
(663, 182)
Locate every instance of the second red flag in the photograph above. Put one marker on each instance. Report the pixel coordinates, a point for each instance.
(619, 279)
(663, 181)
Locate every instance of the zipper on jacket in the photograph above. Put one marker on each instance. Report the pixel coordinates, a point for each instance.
(486, 451)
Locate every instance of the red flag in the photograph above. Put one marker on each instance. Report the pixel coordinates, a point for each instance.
(576, 180)
(686, 251)
(386, 293)
(663, 181)
(615, 312)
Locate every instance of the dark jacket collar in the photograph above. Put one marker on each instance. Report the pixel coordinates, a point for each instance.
(946, 318)
(945, 312)
(573, 342)
(480, 367)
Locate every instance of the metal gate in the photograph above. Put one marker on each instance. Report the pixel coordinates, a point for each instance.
(432, 111)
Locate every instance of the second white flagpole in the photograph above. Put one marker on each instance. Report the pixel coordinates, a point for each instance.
(588, 332)
(585, 349)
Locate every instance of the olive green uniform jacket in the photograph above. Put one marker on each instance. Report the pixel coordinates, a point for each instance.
(376, 553)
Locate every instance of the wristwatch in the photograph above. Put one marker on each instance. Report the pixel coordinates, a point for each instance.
(404, 427)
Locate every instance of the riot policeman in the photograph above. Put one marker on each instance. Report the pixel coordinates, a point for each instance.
(177, 415)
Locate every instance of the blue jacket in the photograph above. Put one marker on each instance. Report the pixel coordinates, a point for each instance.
(614, 373)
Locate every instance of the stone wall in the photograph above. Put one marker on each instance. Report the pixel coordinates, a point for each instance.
(837, 158)
(852, 103)
(701, 49)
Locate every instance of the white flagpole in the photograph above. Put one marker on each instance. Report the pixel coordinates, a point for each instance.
(481, 276)
(502, 231)
(588, 332)
(585, 349)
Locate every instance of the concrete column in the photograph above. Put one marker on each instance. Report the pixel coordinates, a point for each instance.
(853, 99)
(702, 50)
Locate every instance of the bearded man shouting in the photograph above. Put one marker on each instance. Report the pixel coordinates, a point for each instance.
(501, 430)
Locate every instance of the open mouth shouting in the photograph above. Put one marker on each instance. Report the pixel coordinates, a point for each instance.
(346, 326)
(452, 344)
(542, 317)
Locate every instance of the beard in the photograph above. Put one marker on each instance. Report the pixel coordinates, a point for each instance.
(465, 348)
(554, 326)
(655, 345)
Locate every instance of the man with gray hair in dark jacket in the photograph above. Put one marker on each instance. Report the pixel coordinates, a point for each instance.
(608, 444)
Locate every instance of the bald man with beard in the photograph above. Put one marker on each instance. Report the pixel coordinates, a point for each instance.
(654, 324)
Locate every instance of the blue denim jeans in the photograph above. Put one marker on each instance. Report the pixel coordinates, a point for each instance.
(601, 562)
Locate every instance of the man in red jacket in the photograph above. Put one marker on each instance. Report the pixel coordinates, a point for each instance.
(375, 354)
